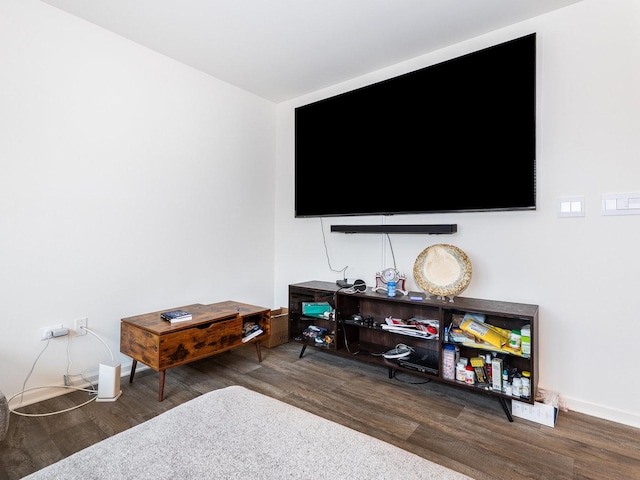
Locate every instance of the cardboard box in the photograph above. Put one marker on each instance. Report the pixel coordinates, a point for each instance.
(541, 413)
(279, 328)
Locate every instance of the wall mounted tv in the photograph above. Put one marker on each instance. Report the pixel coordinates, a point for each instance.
(458, 136)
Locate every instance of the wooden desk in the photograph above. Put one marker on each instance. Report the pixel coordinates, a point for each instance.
(213, 329)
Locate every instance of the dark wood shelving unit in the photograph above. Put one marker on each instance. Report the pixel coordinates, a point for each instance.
(365, 340)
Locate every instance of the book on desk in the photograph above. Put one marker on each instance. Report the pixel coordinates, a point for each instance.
(175, 316)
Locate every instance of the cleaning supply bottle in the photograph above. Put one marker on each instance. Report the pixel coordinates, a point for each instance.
(391, 289)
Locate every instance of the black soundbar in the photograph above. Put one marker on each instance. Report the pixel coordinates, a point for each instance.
(429, 229)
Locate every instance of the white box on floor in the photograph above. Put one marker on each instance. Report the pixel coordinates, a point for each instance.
(109, 382)
(541, 413)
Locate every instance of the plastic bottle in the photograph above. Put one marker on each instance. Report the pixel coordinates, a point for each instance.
(461, 371)
(525, 340)
(514, 339)
(525, 390)
(516, 385)
(391, 289)
(508, 390)
(488, 368)
(470, 375)
(505, 380)
(449, 362)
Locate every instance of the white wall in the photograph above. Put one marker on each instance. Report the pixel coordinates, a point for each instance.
(582, 272)
(129, 183)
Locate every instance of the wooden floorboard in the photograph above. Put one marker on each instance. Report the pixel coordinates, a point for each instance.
(458, 429)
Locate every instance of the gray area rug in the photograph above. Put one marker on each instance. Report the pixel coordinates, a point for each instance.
(237, 433)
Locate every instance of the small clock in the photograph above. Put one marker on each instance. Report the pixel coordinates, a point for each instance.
(390, 275)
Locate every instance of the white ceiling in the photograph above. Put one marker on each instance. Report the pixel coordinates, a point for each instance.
(281, 49)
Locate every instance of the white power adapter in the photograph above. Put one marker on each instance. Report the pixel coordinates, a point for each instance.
(59, 332)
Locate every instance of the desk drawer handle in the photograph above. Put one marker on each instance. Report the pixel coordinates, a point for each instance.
(217, 320)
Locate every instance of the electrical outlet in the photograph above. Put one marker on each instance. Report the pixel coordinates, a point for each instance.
(81, 324)
(46, 333)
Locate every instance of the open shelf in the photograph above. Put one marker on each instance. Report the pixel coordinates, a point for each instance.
(364, 339)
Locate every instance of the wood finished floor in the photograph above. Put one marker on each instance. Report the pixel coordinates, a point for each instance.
(461, 430)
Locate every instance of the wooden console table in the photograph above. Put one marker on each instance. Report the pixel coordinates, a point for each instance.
(213, 329)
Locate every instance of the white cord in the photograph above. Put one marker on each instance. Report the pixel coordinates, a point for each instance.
(393, 255)
(68, 357)
(326, 251)
(50, 413)
(24, 384)
(104, 343)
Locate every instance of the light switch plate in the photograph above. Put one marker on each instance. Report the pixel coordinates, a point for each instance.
(571, 206)
(621, 203)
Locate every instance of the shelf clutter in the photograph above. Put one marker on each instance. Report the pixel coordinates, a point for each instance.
(485, 345)
(414, 327)
(487, 370)
(471, 329)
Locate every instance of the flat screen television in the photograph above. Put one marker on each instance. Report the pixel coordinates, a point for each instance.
(458, 136)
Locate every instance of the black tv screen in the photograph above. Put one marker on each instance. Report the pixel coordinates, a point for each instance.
(458, 136)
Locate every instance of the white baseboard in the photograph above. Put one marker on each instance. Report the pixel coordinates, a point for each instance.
(606, 413)
(45, 392)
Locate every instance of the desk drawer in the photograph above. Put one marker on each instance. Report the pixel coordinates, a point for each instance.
(198, 342)
(139, 344)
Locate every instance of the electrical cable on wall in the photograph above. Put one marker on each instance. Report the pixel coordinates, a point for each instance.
(91, 390)
(103, 342)
(393, 255)
(69, 363)
(33, 366)
(24, 384)
(326, 250)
